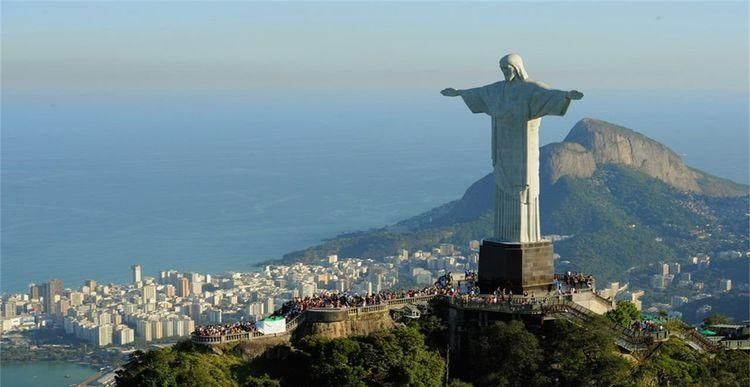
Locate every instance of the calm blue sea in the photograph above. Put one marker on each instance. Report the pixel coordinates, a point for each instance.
(211, 182)
(43, 374)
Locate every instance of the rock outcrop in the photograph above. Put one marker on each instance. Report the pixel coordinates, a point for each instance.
(253, 348)
(565, 159)
(360, 326)
(594, 142)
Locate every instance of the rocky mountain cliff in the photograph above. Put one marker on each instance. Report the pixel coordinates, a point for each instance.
(594, 142)
(591, 145)
(623, 198)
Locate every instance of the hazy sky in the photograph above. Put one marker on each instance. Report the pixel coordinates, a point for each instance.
(206, 136)
(259, 46)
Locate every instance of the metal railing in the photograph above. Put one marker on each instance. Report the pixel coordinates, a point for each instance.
(295, 322)
(735, 344)
(689, 333)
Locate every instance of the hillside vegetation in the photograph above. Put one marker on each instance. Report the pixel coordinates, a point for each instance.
(502, 354)
(624, 199)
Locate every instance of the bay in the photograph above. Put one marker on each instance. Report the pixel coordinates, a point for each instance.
(94, 182)
(39, 374)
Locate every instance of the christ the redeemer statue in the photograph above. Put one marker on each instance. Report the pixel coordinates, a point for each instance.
(516, 106)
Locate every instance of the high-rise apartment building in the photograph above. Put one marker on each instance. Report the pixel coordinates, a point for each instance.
(9, 309)
(169, 291)
(123, 335)
(35, 292)
(52, 289)
(195, 311)
(91, 284)
(149, 294)
(183, 287)
(136, 274)
(163, 277)
(61, 307)
(196, 288)
(76, 298)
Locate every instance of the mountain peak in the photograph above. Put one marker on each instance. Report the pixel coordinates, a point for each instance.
(583, 131)
(593, 142)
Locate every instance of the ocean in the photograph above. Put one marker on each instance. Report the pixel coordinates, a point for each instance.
(211, 182)
(43, 374)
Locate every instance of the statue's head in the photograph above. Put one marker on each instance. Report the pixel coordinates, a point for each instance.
(512, 67)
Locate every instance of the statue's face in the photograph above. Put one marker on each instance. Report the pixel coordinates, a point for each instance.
(509, 72)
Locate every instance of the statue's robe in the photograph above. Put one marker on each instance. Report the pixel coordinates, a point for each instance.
(516, 108)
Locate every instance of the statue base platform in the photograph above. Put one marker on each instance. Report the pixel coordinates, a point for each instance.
(516, 266)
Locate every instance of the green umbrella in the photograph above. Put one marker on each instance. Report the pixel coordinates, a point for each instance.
(708, 332)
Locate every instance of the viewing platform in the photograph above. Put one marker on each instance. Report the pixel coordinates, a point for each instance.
(580, 306)
(509, 304)
(291, 325)
(313, 315)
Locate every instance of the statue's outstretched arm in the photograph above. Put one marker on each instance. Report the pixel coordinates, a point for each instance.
(450, 92)
(574, 95)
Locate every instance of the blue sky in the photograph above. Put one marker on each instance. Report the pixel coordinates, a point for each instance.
(244, 46)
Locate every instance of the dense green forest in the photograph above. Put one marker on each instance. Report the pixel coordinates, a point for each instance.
(502, 354)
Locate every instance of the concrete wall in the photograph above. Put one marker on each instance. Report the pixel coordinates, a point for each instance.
(360, 326)
(593, 302)
(324, 316)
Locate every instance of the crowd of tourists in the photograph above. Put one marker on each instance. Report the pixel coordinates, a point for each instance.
(224, 329)
(502, 296)
(569, 281)
(332, 300)
(463, 291)
(647, 326)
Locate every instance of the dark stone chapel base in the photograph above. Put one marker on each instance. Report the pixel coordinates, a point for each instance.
(516, 266)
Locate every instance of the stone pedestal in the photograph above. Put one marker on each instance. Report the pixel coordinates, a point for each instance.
(516, 266)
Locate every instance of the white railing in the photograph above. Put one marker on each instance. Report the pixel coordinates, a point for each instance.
(735, 344)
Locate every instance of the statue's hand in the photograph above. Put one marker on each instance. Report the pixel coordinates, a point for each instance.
(450, 92)
(575, 95)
